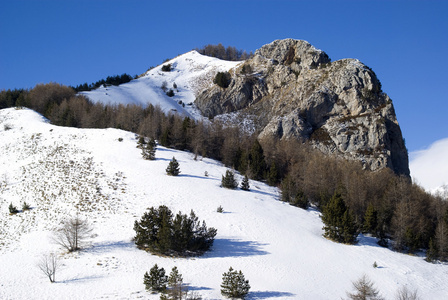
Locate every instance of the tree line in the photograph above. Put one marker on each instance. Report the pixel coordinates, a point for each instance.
(390, 207)
(110, 80)
(221, 52)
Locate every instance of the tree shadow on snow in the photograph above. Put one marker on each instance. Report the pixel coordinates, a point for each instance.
(198, 288)
(364, 240)
(111, 246)
(269, 294)
(235, 248)
(275, 196)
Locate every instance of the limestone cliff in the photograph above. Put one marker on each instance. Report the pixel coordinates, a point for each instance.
(295, 91)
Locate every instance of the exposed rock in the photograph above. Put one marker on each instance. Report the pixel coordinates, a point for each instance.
(297, 92)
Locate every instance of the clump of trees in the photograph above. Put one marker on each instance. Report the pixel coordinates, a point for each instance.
(110, 80)
(160, 232)
(226, 53)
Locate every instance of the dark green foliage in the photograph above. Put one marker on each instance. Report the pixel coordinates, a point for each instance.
(173, 168)
(156, 281)
(246, 69)
(234, 285)
(338, 220)
(170, 93)
(12, 209)
(160, 232)
(370, 220)
(166, 68)
(300, 200)
(220, 209)
(149, 150)
(110, 80)
(229, 181)
(141, 142)
(176, 289)
(292, 194)
(273, 176)
(256, 160)
(245, 183)
(222, 79)
(432, 252)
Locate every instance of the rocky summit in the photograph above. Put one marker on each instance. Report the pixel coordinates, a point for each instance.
(294, 91)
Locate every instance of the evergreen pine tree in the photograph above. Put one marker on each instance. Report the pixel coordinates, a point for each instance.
(349, 228)
(141, 142)
(370, 220)
(431, 253)
(338, 221)
(149, 150)
(245, 183)
(173, 168)
(234, 285)
(229, 181)
(273, 175)
(176, 289)
(156, 280)
(300, 200)
(257, 164)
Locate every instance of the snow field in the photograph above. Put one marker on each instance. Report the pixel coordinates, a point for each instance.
(279, 248)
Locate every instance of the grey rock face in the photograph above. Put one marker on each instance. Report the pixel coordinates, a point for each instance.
(297, 92)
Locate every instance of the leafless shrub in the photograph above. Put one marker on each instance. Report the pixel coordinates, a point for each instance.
(405, 294)
(49, 264)
(364, 290)
(73, 234)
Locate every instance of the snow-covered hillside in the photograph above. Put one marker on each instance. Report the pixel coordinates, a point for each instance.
(191, 72)
(279, 248)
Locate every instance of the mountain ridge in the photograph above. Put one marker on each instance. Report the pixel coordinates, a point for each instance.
(288, 89)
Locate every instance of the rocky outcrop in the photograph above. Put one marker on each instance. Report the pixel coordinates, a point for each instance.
(295, 91)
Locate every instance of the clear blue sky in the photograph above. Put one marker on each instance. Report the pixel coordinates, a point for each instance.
(72, 42)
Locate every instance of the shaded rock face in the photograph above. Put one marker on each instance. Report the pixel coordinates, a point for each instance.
(295, 91)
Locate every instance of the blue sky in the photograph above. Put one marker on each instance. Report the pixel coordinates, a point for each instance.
(72, 42)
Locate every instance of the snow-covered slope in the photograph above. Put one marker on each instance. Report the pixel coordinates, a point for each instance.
(279, 248)
(191, 72)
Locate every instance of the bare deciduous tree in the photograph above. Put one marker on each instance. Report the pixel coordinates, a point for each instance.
(364, 290)
(73, 233)
(49, 264)
(405, 294)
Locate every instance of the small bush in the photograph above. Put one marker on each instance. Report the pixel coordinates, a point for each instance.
(220, 209)
(25, 206)
(173, 168)
(222, 79)
(166, 68)
(170, 93)
(12, 209)
(245, 186)
(246, 69)
(229, 181)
